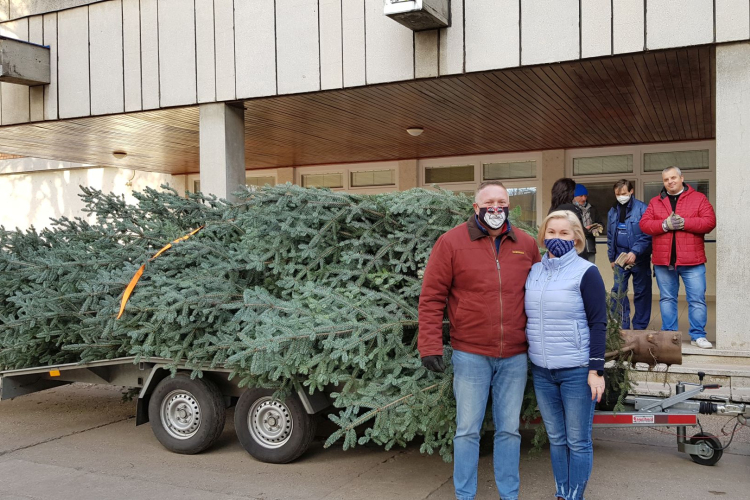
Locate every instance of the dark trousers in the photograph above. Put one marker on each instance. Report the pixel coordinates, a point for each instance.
(641, 274)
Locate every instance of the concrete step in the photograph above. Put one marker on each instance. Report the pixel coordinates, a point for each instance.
(734, 377)
(652, 388)
(695, 356)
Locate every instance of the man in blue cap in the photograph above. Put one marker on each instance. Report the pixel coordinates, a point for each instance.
(592, 226)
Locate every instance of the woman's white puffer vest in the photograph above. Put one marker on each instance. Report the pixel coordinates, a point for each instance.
(557, 328)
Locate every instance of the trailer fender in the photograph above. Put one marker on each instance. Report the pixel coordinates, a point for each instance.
(156, 375)
(313, 403)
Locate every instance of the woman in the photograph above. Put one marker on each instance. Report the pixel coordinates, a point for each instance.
(563, 192)
(566, 329)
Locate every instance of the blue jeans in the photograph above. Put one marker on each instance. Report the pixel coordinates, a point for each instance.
(694, 279)
(564, 399)
(474, 376)
(641, 274)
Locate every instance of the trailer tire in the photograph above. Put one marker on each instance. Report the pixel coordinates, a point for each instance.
(711, 451)
(273, 431)
(187, 415)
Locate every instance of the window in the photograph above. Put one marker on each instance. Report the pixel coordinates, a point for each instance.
(369, 178)
(436, 175)
(260, 181)
(524, 197)
(615, 164)
(196, 186)
(509, 170)
(651, 189)
(332, 180)
(685, 160)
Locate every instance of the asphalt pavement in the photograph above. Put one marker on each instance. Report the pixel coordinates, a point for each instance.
(81, 442)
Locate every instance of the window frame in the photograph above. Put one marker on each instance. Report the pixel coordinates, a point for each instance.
(266, 172)
(478, 161)
(642, 177)
(345, 169)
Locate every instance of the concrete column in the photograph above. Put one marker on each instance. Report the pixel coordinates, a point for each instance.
(408, 174)
(284, 175)
(553, 168)
(222, 149)
(732, 179)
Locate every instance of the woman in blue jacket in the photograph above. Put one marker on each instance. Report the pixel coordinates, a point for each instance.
(624, 235)
(566, 330)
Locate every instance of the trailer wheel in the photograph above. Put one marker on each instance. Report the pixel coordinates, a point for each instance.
(270, 430)
(710, 449)
(187, 415)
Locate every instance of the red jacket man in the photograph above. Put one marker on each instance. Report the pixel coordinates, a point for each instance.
(479, 269)
(678, 220)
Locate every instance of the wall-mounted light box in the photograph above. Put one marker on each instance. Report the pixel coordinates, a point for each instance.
(419, 15)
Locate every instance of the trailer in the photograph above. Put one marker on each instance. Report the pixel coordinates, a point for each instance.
(187, 415)
(680, 411)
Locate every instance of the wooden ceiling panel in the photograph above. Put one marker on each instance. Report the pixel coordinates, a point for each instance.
(638, 98)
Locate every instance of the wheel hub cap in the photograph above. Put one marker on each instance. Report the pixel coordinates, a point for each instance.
(270, 423)
(180, 414)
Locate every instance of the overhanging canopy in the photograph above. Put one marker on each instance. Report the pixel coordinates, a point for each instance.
(649, 97)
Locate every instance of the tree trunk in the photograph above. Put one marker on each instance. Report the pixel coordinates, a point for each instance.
(651, 347)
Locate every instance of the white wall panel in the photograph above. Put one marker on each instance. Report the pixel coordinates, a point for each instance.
(426, 54)
(298, 61)
(73, 62)
(255, 39)
(492, 35)
(22, 8)
(452, 41)
(596, 28)
(4, 10)
(628, 25)
(205, 50)
(177, 72)
(353, 32)
(149, 54)
(331, 57)
(105, 45)
(15, 98)
(224, 40)
(678, 24)
(36, 93)
(732, 179)
(549, 31)
(50, 91)
(732, 20)
(389, 49)
(131, 25)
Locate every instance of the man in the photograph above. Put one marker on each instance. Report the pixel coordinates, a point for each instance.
(590, 219)
(624, 236)
(678, 219)
(480, 268)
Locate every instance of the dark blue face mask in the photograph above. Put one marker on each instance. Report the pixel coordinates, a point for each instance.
(559, 247)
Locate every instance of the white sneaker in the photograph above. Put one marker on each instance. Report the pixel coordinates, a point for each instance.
(702, 342)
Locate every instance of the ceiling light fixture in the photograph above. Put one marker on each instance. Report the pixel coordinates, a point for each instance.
(415, 131)
(119, 155)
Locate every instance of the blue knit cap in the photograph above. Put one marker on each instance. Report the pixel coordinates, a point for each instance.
(581, 190)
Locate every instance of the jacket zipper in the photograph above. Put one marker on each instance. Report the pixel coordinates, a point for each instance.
(674, 233)
(541, 316)
(500, 292)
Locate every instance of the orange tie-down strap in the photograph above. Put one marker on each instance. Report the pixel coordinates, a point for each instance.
(139, 273)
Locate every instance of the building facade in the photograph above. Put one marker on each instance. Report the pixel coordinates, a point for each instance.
(209, 94)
